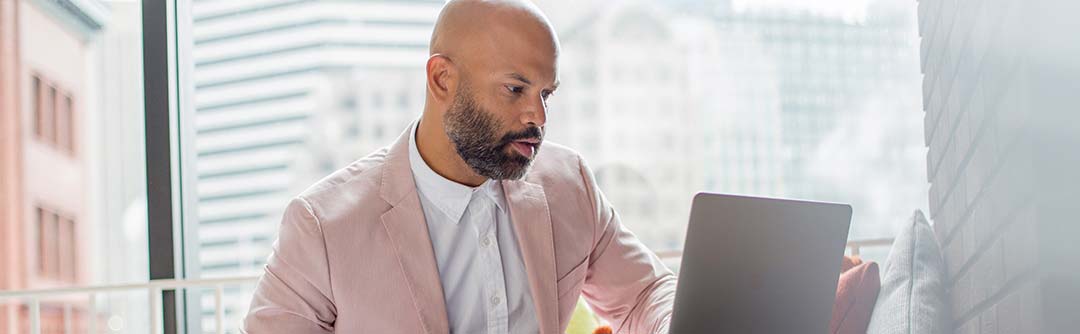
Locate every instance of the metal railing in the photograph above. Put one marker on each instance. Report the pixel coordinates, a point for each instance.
(854, 247)
(33, 298)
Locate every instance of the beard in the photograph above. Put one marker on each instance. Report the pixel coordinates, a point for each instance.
(477, 138)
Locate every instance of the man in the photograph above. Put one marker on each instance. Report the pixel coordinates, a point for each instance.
(464, 225)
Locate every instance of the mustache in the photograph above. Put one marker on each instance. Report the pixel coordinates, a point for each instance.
(532, 132)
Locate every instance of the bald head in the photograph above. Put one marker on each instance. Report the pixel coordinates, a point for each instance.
(492, 44)
(492, 67)
(464, 25)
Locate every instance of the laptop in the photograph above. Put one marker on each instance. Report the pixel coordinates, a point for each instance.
(759, 265)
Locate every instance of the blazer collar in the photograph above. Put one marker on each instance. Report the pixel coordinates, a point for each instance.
(405, 224)
(530, 215)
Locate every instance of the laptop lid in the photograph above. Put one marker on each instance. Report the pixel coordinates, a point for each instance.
(759, 265)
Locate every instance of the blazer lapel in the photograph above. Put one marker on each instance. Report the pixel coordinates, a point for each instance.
(407, 228)
(532, 225)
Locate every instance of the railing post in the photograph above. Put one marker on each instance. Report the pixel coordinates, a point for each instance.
(91, 314)
(12, 315)
(219, 312)
(35, 316)
(68, 328)
(155, 310)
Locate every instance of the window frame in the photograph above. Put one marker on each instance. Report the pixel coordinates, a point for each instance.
(162, 146)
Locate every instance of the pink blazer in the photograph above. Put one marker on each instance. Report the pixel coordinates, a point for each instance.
(353, 254)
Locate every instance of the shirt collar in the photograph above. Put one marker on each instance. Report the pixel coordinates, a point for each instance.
(451, 198)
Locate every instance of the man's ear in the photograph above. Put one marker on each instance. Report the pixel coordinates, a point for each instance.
(442, 77)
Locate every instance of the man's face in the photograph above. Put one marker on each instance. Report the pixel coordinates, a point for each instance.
(479, 137)
(506, 70)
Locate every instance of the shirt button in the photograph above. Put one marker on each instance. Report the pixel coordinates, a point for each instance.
(486, 241)
(495, 300)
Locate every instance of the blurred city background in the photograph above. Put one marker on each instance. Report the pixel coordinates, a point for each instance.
(805, 99)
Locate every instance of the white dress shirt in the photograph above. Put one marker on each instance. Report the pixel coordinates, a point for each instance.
(480, 266)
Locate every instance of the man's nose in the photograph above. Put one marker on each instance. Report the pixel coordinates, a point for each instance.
(535, 112)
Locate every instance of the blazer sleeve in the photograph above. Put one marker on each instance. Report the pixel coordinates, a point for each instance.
(626, 284)
(293, 295)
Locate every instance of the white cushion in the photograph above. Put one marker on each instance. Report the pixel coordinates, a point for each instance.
(913, 297)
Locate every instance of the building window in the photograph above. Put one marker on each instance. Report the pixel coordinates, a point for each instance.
(66, 248)
(63, 123)
(36, 107)
(403, 100)
(51, 117)
(43, 109)
(43, 244)
(56, 245)
(68, 115)
(53, 111)
(377, 100)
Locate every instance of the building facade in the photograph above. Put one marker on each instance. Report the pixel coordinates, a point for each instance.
(625, 106)
(841, 86)
(47, 94)
(669, 98)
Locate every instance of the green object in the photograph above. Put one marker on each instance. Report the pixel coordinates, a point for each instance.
(582, 321)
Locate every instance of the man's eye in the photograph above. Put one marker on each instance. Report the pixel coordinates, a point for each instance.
(545, 94)
(515, 89)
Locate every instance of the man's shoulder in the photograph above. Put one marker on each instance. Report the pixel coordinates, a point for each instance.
(354, 187)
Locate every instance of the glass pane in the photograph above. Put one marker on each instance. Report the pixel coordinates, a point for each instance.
(811, 100)
(72, 195)
(284, 94)
(663, 98)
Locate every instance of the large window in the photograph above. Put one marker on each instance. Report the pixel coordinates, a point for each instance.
(283, 93)
(663, 98)
(254, 100)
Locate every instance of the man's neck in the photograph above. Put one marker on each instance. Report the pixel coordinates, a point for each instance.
(439, 154)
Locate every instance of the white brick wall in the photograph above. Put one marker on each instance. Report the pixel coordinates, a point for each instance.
(996, 79)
